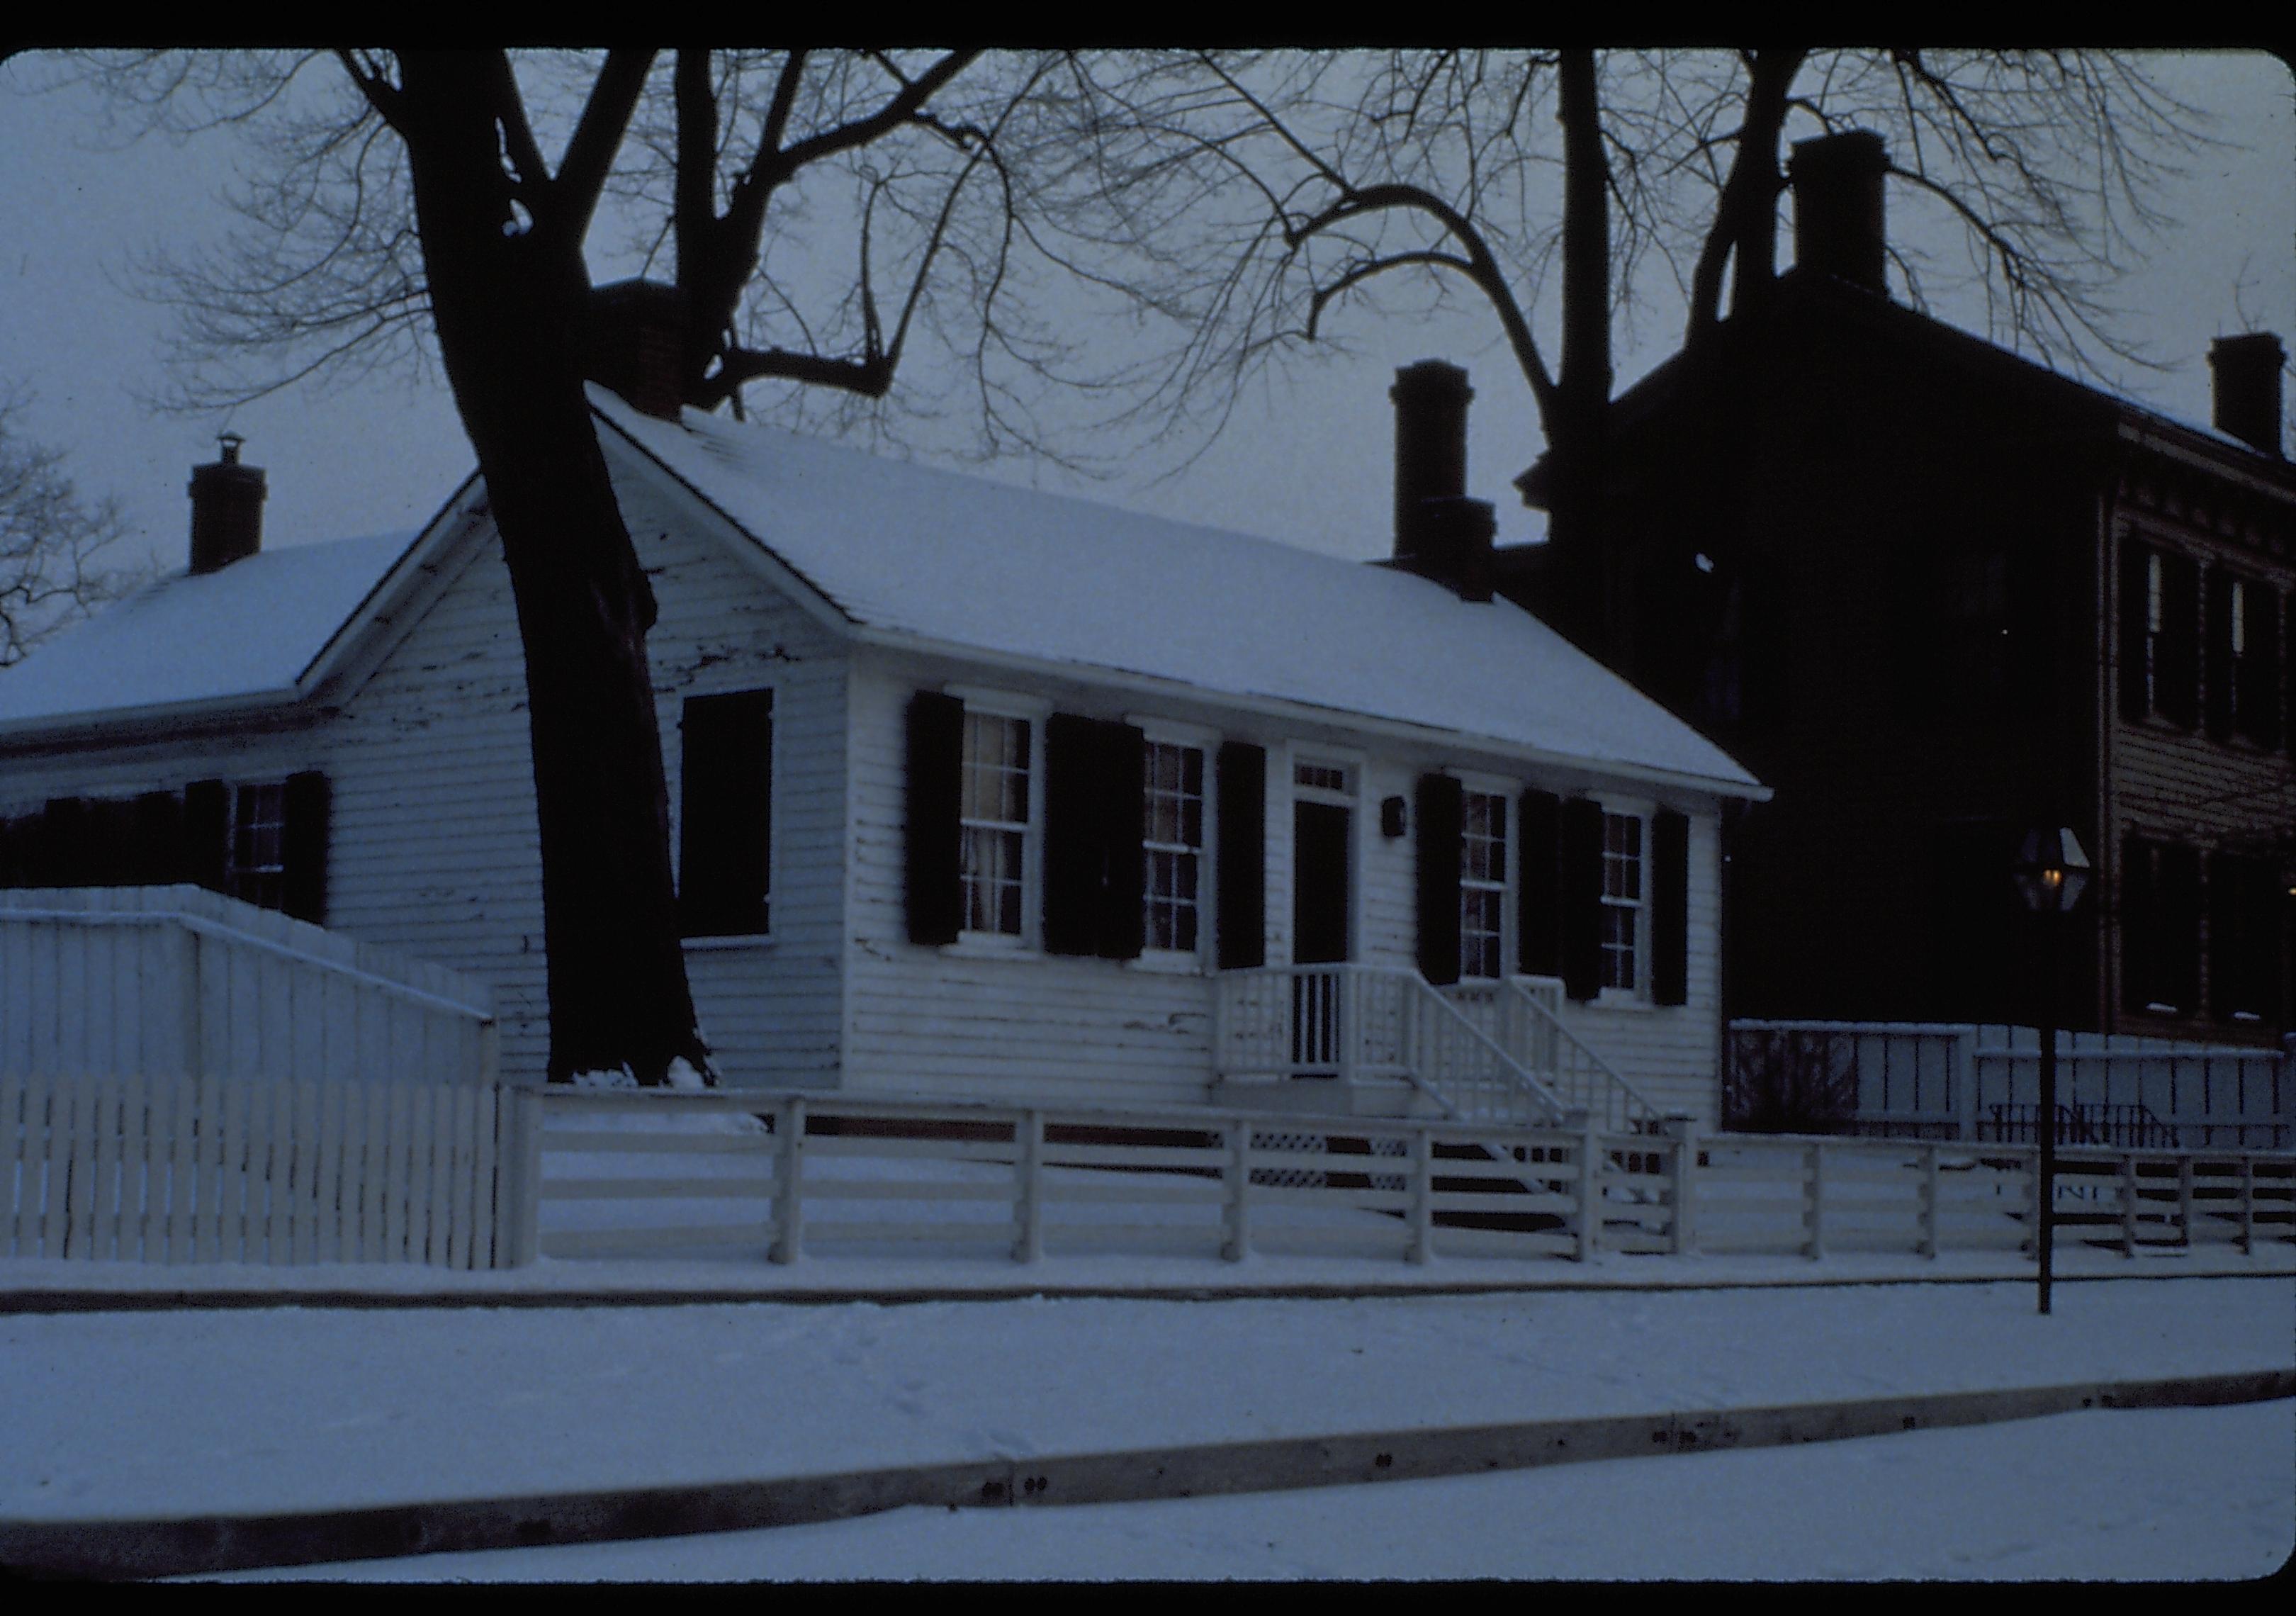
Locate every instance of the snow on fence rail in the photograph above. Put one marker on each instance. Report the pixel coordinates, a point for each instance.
(780, 1175)
(1947, 1081)
(182, 981)
(151, 1168)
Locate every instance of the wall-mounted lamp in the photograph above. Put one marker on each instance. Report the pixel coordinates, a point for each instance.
(1392, 820)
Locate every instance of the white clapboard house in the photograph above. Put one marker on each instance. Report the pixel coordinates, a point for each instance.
(978, 792)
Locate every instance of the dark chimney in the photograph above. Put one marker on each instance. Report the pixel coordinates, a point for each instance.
(1839, 226)
(637, 344)
(2247, 389)
(226, 509)
(1440, 533)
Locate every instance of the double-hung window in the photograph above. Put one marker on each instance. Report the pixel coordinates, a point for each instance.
(994, 819)
(257, 869)
(1624, 902)
(1482, 883)
(1172, 846)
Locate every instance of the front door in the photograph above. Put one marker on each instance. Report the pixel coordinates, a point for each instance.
(1319, 932)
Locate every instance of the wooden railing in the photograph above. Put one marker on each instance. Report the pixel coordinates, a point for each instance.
(1521, 1014)
(780, 1176)
(766, 1176)
(1366, 1024)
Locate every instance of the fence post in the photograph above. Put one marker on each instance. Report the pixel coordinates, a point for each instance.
(1590, 1167)
(1964, 1083)
(1422, 1195)
(1929, 1244)
(2247, 1205)
(1239, 1181)
(1814, 1216)
(2032, 1242)
(789, 1167)
(1345, 984)
(518, 1211)
(2185, 1198)
(1027, 1164)
(1684, 1131)
(2128, 1204)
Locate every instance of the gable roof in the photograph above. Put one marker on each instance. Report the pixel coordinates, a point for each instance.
(1800, 295)
(928, 558)
(909, 556)
(246, 634)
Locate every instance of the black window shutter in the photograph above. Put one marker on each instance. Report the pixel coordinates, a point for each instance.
(2260, 698)
(2179, 965)
(725, 814)
(2288, 696)
(303, 848)
(2219, 654)
(932, 835)
(1538, 950)
(1441, 808)
(1123, 826)
(159, 839)
(206, 832)
(2177, 680)
(1243, 874)
(1671, 908)
(1075, 855)
(2140, 924)
(66, 836)
(2134, 572)
(11, 854)
(1578, 880)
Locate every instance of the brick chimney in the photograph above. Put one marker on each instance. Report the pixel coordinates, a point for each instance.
(1440, 533)
(2247, 389)
(226, 509)
(1840, 228)
(637, 342)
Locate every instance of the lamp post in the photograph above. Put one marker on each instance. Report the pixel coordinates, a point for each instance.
(2052, 872)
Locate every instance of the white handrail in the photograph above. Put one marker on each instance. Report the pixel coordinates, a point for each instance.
(1632, 1106)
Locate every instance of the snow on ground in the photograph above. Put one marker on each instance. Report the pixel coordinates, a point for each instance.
(169, 1412)
(2155, 1493)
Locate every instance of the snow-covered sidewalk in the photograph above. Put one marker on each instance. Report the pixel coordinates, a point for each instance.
(197, 1412)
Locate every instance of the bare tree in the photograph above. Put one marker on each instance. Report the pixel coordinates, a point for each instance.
(54, 564)
(408, 211)
(1567, 190)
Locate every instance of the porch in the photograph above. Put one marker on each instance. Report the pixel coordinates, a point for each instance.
(1382, 1041)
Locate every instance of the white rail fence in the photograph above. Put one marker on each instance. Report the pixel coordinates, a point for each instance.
(176, 979)
(1940, 1080)
(749, 1176)
(146, 1169)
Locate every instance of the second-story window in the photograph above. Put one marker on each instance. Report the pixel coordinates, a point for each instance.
(1482, 883)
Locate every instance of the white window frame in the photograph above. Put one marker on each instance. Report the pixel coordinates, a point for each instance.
(1641, 813)
(1009, 705)
(1505, 792)
(1157, 732)
(237, 876)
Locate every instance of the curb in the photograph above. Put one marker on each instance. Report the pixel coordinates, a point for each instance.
(173, 1547)
(27, 1302)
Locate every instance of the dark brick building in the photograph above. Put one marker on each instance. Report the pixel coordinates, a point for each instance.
(1935, 593)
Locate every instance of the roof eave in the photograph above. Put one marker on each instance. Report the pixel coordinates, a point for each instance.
(1296, 712)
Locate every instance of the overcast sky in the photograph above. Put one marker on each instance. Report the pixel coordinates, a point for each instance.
(1306, 463)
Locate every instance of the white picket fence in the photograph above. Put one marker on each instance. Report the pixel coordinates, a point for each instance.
(176, 979)
(150, 1169)
(1943, 1080)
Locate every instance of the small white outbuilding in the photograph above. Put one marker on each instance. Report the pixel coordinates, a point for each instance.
(977, 791)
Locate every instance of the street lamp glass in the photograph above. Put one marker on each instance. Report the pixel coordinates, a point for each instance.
(2052, 871)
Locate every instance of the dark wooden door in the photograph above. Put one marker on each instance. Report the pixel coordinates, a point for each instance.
(1319, 883)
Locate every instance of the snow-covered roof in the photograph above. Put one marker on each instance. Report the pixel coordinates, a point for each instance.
(245, 634)
(959, 561)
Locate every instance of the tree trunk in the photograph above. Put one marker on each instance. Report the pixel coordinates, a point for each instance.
(510, 305)
(1576, 432)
